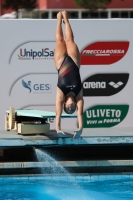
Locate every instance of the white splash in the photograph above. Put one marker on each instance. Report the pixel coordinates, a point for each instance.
(53, 168)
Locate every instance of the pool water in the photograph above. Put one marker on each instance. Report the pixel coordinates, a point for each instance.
(81, 187)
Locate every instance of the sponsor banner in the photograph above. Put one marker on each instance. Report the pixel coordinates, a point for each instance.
(104, 53)
(104, 84)
(101, 116)
(35, 88)
(29, 78)
(33, 52)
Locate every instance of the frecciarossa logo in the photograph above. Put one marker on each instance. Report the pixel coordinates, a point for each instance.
(104, 53)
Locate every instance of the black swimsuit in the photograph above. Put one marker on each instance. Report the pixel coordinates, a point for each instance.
(69, 77)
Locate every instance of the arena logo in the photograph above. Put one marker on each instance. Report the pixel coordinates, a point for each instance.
(104, 84)
(104, 53)
(104, 115)
(25, 54)
(37, 87)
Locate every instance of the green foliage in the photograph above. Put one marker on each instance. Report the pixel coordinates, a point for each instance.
(19, 4)
(92, 4)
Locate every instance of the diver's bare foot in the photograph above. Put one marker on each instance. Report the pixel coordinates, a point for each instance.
(59, 16)
(65, 16)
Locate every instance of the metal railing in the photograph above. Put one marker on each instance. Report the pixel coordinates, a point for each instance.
(77, 13)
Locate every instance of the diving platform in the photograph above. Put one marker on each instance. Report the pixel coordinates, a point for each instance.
(30, 128)
(99, 136)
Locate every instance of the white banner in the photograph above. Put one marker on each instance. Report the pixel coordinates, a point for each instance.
(28, 77)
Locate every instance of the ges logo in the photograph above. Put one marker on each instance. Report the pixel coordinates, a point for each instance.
(37, 87)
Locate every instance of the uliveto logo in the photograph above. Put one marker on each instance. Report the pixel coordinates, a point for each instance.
(104, 84)
(31, 54)
(36, 87)
(104, 115)
(104, 53)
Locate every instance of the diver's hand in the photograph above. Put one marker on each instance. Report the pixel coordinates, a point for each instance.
(77, 133)
(60, 133)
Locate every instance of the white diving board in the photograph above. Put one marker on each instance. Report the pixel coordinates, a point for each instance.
(40, 114)
(20, 120)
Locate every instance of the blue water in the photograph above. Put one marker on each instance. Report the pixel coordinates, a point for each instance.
(96, 187)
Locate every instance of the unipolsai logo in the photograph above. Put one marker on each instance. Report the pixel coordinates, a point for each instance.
(33, 51)
(36, 87)
(104, 53)
(31, 54)
(104, 84)
(104, 115)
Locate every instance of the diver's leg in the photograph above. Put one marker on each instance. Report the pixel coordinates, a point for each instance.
(72, 48)
(60, 48)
